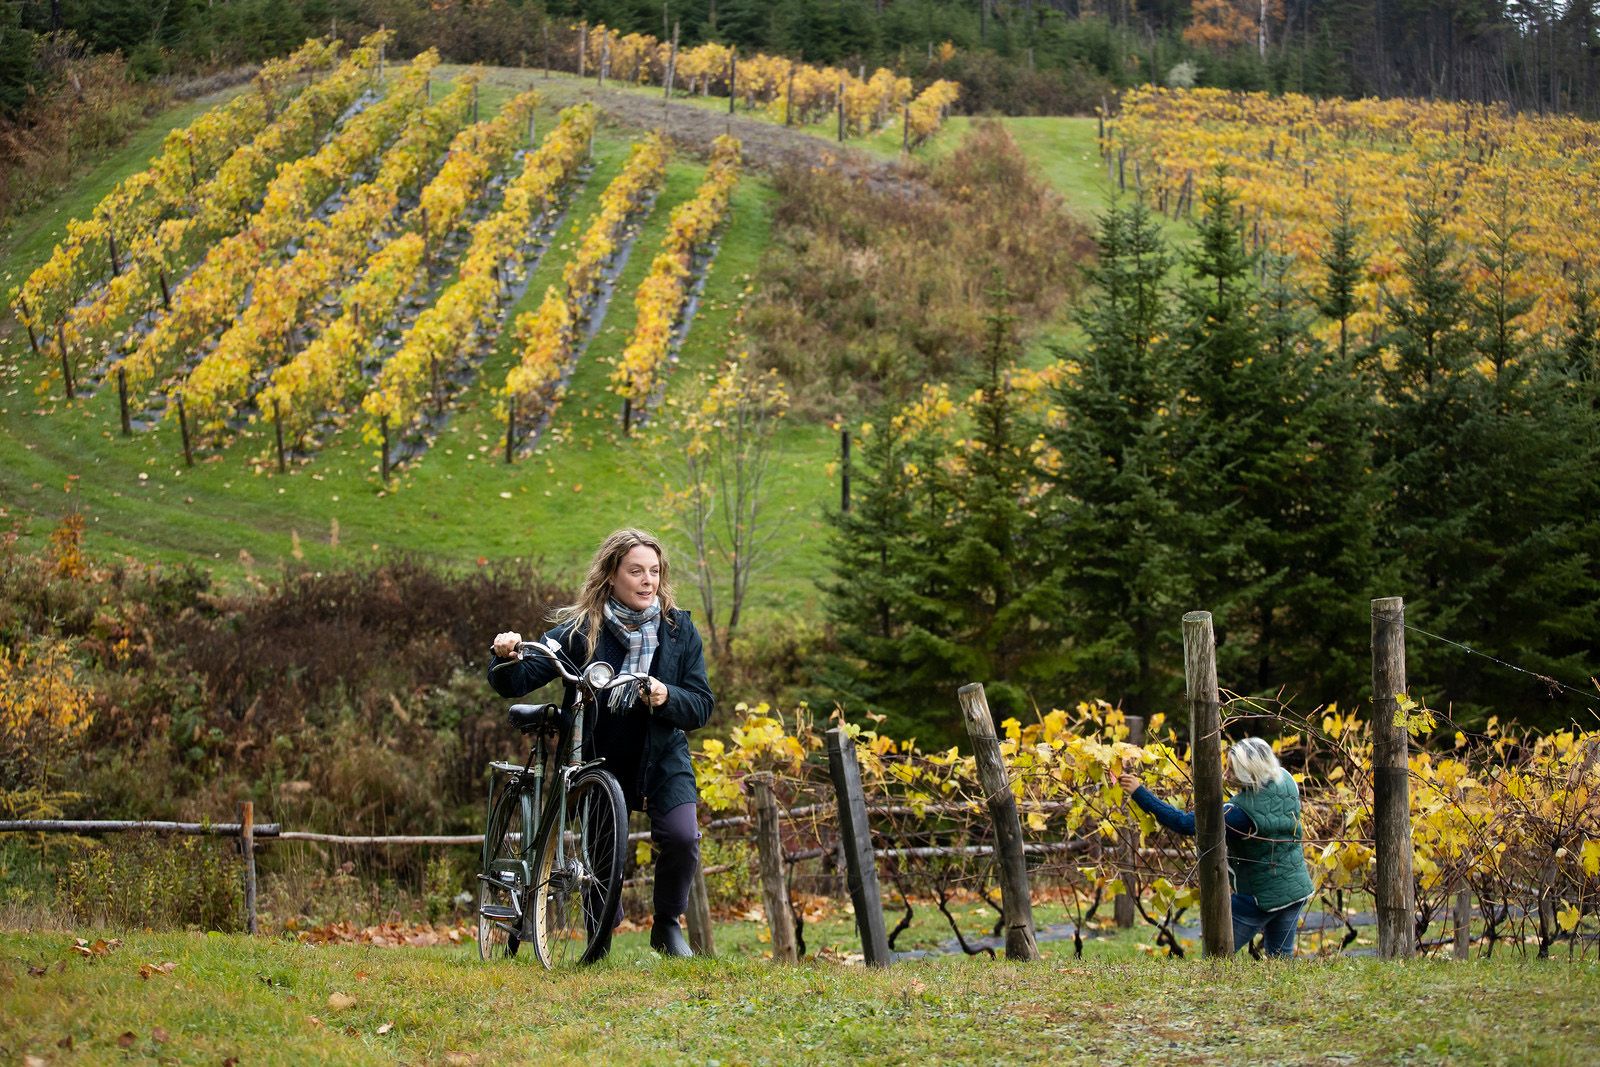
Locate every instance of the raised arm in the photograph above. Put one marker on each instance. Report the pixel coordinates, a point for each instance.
(1182, 822)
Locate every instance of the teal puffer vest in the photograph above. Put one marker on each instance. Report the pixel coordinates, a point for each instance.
(1270, 865)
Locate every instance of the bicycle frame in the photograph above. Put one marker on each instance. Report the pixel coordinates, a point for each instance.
(543, 814)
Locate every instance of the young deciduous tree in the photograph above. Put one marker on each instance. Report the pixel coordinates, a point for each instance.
(720, 454)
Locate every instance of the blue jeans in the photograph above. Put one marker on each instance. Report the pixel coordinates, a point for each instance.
(1277, 927)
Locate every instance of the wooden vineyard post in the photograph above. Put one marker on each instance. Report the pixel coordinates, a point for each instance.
(905, 131)
(844, 471)
(383, 462)
(698, 919)
(247, 849)
(183, 428)
(627, 415)
(122, 400)
(672, 65)
(474, 101)
(1122, 907)
(605, 60)
(733, 76)
(774, 884)
(1016, 899)
(841, 112)
(1205, 745)
(277, 429)
(511, 426)
(116, 262)
(166, 291)
(1395, 894)
(856, 840)
(66, 364)
(583, 46)
(788, 99)
(1463, 921)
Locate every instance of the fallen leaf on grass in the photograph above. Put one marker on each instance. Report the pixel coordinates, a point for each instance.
(314, 1021)
(341, 1001)
(160, 1036)
(32, 1061)
(918, 987)
(65, 1043)
(126, 1039)
(385, 1028)
(231, 1061)
(38, 972)
(460, 1059)
(148, 969)
(99, 947)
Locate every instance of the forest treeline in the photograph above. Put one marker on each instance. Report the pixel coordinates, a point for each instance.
(1032, 56)
(1219, 439)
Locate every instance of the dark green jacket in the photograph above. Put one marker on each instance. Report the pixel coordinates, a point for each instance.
(664, 778)
(1270, 863)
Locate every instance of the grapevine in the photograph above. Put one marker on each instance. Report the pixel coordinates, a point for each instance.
(141, 201)
(661, 296)
(441, 334)
(156, 259)
(210, 296)
(547, 337)
(331, 251)
(1288, 157)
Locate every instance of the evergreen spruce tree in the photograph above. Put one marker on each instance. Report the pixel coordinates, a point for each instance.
(1343, 266)
(1272, 471)
(1122, 577)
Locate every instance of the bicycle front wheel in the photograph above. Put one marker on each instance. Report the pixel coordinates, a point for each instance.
(505, 875)
(577, 880)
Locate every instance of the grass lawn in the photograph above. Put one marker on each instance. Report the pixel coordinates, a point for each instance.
(269, 1001)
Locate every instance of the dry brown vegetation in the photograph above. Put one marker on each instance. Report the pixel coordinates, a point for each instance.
(871, 290)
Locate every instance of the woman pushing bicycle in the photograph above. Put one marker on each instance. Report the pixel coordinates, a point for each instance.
(625, 616)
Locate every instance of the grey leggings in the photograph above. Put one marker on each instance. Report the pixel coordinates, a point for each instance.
(676, 834)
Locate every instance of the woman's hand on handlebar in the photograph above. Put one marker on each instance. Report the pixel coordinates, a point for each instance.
(505, 645)
(655, 693)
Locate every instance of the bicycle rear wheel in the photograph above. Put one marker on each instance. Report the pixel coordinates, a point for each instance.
(577, 884)
(505, 876)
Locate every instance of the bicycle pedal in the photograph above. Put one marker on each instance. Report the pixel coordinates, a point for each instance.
(498, 913)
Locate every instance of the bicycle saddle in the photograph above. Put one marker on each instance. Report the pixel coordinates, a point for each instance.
(531, 717)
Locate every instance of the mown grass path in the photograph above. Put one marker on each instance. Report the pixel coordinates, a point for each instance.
(270, 1002)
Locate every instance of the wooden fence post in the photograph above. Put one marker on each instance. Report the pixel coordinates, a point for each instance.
(66, 364)
(1015, 897)
(1463, 918)
(788, 99)
(583, 46)
(183, 428)
(774, 884)
(247, 848)
(841, 112)
(122, 400)
(844, 471)
(277, 428)
(1122, 907)
(733, 77)
(672, 65)
(1205, 746)
(511, 427)
(856, 839)
(698, 919)
(166, 291)
(383, 463)
(1391, 817)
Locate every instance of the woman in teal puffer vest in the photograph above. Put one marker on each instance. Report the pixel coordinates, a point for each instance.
(1265, 860)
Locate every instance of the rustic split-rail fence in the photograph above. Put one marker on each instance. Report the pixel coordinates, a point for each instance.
(1392, 837)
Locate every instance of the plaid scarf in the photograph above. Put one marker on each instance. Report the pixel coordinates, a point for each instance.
(637, 631)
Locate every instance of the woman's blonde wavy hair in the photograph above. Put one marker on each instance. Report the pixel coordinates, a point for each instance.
(588, 612)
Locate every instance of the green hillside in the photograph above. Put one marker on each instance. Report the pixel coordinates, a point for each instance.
(234, 511)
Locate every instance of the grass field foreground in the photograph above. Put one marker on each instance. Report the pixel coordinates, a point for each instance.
(259, 1001)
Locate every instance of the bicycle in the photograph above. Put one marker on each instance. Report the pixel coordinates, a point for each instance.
(551, 867)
